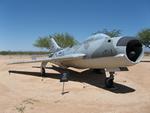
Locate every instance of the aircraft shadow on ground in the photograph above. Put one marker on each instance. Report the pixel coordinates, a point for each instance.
(87, 76)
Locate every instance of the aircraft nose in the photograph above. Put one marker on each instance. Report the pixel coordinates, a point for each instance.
(134, 47)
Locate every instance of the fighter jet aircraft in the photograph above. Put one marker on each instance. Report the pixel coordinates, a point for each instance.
(99, 51)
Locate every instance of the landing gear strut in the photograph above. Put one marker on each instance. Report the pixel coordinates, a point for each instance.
(42, 71)
(109, 81)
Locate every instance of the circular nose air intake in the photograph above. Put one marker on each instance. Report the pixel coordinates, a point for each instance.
(133, 50)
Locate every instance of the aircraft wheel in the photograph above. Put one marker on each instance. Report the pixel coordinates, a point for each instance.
(109, 83)
(42, 71)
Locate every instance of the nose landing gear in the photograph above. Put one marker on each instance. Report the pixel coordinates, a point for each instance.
(109, 81)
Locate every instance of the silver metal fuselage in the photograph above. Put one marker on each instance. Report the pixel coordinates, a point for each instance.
(101, 52)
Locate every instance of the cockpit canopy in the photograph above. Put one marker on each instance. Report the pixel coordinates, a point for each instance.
(97, 36)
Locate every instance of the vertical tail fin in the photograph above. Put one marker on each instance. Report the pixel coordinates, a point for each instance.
(54, 46)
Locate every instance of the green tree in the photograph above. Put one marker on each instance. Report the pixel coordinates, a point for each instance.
(62, 39)
(144, 36)
(42, 42)
(111, 33)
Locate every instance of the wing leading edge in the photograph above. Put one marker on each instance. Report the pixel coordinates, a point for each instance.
(52, 59)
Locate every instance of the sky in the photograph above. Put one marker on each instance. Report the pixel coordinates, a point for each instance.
(23, 21)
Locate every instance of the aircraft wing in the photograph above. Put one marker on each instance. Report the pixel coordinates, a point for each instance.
(51, 59)
(145, 60)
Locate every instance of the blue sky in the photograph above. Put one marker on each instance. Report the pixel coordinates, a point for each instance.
(23, 21)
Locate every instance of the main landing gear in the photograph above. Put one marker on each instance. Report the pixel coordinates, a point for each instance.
(42, 71)
(109, 81)
(43, 65)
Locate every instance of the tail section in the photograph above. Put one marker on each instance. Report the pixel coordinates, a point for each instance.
(54, 46)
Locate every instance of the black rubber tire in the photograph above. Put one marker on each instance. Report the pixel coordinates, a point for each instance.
(109, 83)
